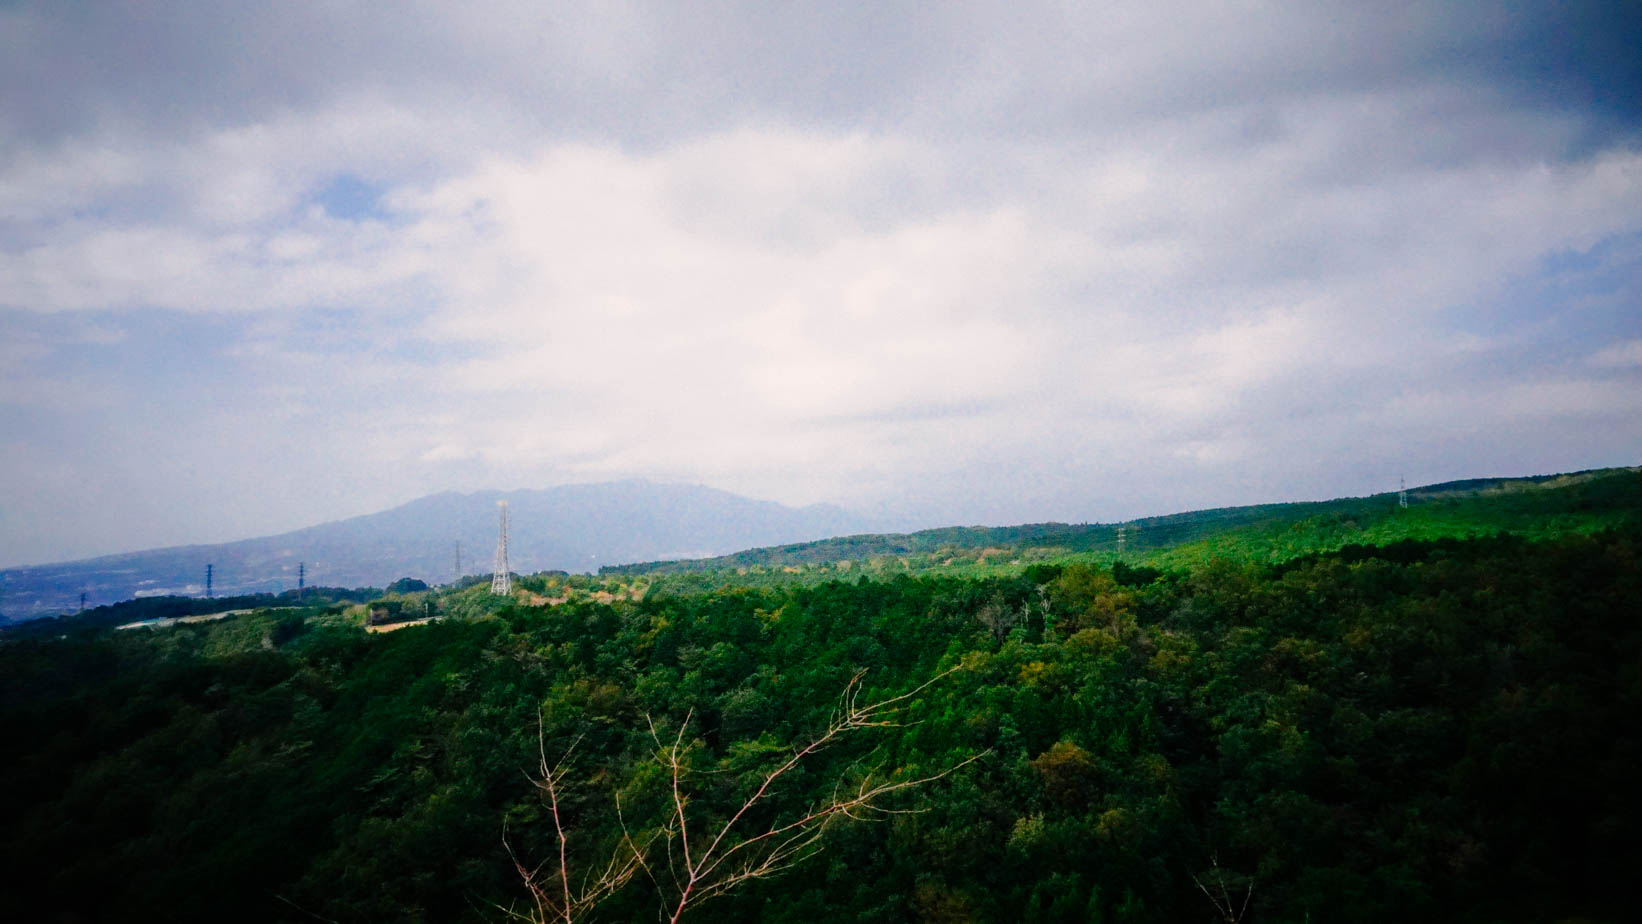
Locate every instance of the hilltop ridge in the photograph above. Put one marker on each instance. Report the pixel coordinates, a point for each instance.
(1534, 505)
(637, 529)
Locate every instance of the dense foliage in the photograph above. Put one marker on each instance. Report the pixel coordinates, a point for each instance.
(1438, 729)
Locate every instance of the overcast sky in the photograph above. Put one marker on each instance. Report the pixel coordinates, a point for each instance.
(265, 265)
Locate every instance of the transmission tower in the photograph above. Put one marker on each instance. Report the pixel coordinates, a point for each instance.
(301, 579)
(1402, 493)
(208, 581)
(501, 581)
(1122, 538)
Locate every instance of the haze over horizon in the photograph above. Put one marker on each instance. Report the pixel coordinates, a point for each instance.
(262, 268)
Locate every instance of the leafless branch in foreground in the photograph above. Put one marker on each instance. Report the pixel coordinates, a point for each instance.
(719, 860)
(1230, 911)
(553, 896)
(700, 865)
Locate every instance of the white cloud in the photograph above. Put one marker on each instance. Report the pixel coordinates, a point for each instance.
(1626, 355)
(962, 256)
(744, 303)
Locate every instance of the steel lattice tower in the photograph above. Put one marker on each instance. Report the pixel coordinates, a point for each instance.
(501, 581)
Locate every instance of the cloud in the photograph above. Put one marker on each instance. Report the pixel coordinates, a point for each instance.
(957, 262)
(1626, 355)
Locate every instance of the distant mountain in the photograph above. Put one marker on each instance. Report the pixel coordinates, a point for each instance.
(569, 528)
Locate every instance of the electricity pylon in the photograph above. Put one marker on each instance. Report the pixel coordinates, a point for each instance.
(501, 581)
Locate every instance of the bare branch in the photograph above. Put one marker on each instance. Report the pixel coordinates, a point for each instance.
(705, 872)
(301, 909)
(1229, 911)
(567, 902)
(706, 868)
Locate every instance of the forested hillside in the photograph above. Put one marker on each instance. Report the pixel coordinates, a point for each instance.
(1430, 729)
(1538, 506)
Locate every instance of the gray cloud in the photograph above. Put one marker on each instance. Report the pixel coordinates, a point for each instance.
(640, 72)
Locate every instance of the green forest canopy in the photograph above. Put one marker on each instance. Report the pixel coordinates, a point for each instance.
(1425, 727)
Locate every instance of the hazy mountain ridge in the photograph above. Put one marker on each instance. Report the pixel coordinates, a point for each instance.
(571, 528)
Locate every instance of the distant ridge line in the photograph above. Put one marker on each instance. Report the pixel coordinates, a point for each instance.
(1154, 532)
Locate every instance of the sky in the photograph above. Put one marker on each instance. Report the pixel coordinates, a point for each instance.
(267, 265)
